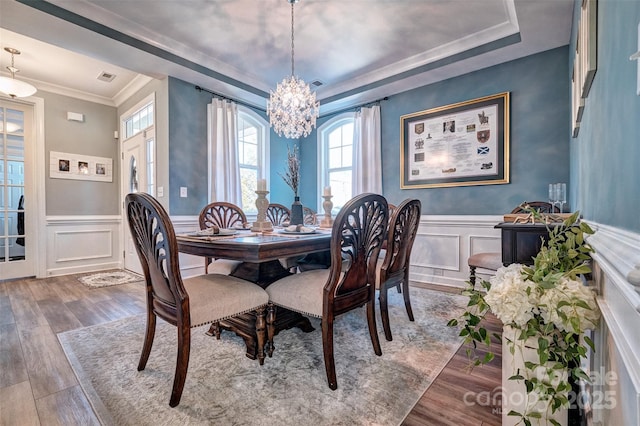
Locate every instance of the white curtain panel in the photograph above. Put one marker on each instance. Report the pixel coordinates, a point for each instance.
(367, 163)
(224, 171)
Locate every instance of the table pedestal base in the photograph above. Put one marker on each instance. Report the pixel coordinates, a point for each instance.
(245, 327)
(262, 274)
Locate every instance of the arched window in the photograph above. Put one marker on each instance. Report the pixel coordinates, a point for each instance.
(253, 154)
(336, 159)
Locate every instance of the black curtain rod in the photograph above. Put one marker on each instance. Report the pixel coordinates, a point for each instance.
(201, 89)
(355, 108)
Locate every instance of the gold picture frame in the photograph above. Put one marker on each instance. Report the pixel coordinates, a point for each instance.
(461, 144)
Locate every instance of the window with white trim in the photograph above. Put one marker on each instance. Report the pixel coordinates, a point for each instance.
(139, 120)
(336, 159)
(253, 154)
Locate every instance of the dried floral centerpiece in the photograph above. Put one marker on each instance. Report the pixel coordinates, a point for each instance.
(292, 178)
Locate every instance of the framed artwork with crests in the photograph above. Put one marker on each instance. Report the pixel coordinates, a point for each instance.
(461, 144)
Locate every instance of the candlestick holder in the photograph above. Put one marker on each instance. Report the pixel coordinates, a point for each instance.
(327, 205)
(262, 224)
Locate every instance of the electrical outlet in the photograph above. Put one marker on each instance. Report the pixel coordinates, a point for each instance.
(183, 191)
(438, 271)
(160, 191)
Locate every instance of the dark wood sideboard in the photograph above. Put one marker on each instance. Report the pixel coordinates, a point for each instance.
(521, 242)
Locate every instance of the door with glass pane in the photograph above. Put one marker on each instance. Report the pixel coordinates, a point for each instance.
(16, 194)
(134, 172)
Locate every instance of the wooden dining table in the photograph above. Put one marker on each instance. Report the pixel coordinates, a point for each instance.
(260, 255)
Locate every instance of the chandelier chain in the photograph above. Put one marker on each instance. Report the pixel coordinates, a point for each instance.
(292, 49)
(292, 107)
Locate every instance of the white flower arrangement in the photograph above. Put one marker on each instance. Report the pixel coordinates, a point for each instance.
(546, 308)
(515, 300)
(512, 297)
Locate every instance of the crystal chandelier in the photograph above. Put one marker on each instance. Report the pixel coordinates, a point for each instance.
(292, 108)
(11, 86)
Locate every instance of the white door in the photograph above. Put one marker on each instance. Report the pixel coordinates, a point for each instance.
(17, 193)
(134, 179)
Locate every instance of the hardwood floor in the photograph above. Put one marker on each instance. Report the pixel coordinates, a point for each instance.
(459, 396)
(38, 387)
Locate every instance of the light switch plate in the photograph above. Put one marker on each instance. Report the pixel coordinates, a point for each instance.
(183, 191)
(160, 191)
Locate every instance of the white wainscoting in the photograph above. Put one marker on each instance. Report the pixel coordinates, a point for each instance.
(82, 244)
(616, 392)
(444, 243)
(189, 265)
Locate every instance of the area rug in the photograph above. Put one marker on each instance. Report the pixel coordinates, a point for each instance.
(105, 279)
(224, 387)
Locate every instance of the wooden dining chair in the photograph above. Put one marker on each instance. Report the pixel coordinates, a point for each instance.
(184, 303)
(278, 214)
(309, 216)
(393, 269)
(383, 252)
(223, 215)
(392, 208)
(492, 261)
(539, 206)
(356, 237)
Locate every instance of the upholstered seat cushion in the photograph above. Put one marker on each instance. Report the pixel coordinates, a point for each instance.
(300, 292)
(214, 297)
(223, 266)
(491, 261)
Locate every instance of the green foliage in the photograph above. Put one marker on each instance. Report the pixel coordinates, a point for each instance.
(564, 256)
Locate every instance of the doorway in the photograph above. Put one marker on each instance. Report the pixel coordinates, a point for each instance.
(17, 191)
(137, 168)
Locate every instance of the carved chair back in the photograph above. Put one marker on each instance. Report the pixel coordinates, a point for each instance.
(155, 242)
(403, 227)
(277, 214)
(222, 215)
(540, 206)
(309, 216)
(356, 239)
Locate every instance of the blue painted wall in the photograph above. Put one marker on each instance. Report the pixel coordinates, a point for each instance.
(188, 151)
(539, 142)
(280, 191)
(605, 174)
(187, 147)
(539, 148)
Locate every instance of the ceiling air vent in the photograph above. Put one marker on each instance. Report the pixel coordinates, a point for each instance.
(317, 83)
(106, 76)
